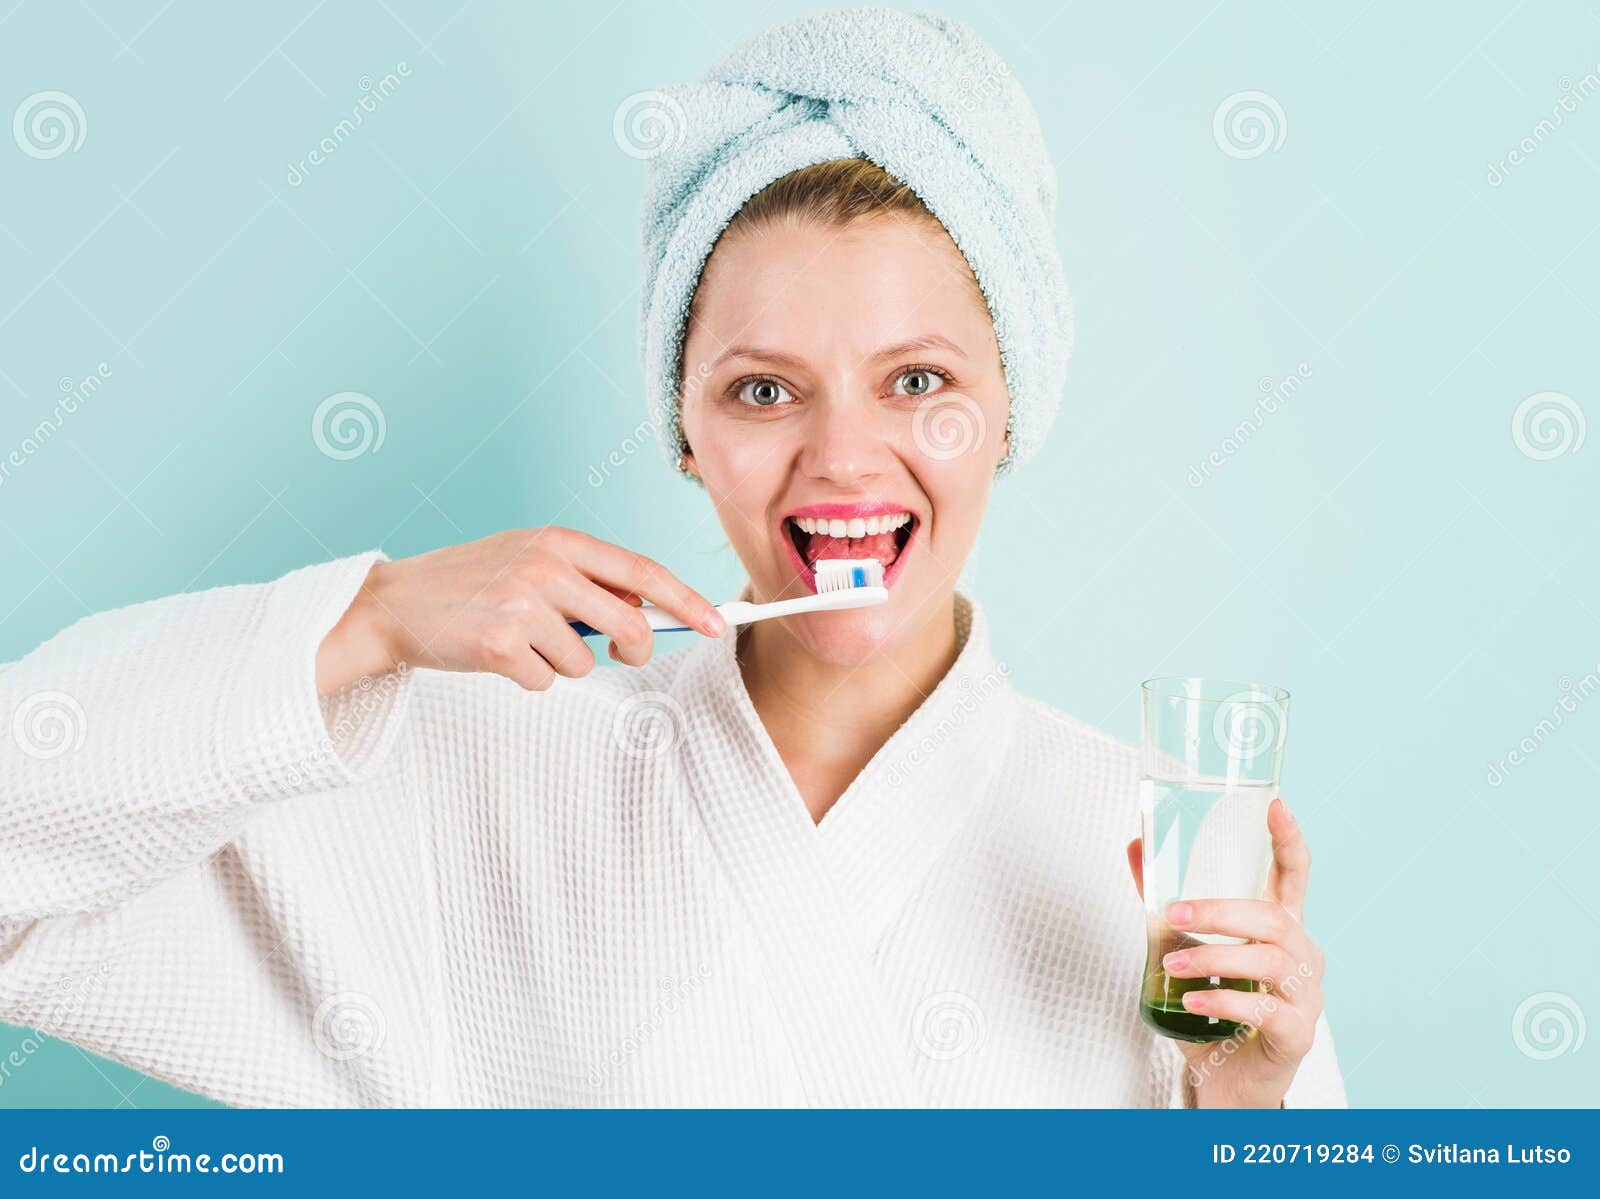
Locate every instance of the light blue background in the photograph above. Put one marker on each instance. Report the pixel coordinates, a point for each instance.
(1380, 545)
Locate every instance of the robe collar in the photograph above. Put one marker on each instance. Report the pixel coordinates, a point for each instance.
(820, 895)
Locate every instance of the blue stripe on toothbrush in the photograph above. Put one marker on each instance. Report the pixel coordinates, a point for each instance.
(588, 630)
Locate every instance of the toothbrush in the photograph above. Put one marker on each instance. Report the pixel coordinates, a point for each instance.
(841, 583)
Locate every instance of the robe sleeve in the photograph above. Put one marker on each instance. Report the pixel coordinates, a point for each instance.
(1317, 1083)
(137, 746)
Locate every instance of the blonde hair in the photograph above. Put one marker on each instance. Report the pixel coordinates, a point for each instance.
(832, 194)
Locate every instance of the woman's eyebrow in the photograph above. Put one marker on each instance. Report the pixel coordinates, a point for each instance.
(760, 352)
(928, 341)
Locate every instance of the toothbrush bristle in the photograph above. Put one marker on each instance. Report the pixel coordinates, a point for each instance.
(846, 574)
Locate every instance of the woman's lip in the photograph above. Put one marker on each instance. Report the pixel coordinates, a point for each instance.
(847, 511)
(809, 576)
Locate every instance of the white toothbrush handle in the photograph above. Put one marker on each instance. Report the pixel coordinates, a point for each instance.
(737, 612)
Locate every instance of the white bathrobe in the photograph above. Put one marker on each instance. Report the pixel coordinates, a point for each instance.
(438, 889)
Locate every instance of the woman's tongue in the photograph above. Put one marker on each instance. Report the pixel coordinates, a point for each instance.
(876, 545)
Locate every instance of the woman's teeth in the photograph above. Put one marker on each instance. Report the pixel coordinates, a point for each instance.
(881, 537)
(855, 527)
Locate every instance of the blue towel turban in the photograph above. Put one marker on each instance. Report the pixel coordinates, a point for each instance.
(924, 98)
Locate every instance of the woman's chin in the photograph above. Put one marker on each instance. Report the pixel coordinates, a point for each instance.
(850, 638)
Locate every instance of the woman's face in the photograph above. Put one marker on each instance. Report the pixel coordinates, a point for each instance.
(845, 399)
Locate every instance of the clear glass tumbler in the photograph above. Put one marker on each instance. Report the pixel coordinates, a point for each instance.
(1210, 752)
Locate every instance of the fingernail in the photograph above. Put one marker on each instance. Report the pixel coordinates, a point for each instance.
(1179, 913)
(1194, 1000)
(714, 624)
(1175, 961)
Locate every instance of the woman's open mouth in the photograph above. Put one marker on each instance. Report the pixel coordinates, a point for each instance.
(849, 531)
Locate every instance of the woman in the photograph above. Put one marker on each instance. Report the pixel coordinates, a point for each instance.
(376, 833)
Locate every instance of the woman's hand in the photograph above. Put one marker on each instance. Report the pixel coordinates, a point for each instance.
(1287, 966)
(502, 605)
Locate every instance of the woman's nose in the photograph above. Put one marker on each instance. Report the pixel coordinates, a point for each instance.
(845, 441)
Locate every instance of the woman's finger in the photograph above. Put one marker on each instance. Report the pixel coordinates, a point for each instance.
(1287, 1029)
(558, 643)
(1291, 859)
(622, 593)
(510, 654)
(612, 565)
(579, 598)
(1261, 961)
(1250, 919)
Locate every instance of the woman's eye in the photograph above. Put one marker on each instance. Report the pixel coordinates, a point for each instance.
(764, 393)
(917, 383)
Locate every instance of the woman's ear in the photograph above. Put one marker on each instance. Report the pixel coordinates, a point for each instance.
(686, 462)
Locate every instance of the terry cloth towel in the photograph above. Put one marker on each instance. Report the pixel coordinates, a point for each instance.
(923, 97)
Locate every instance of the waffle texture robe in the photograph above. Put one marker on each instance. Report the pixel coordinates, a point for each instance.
(437, 889)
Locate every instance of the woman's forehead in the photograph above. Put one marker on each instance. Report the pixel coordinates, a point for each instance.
(859, 287)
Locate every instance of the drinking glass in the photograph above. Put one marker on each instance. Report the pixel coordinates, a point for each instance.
(1210, 756)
